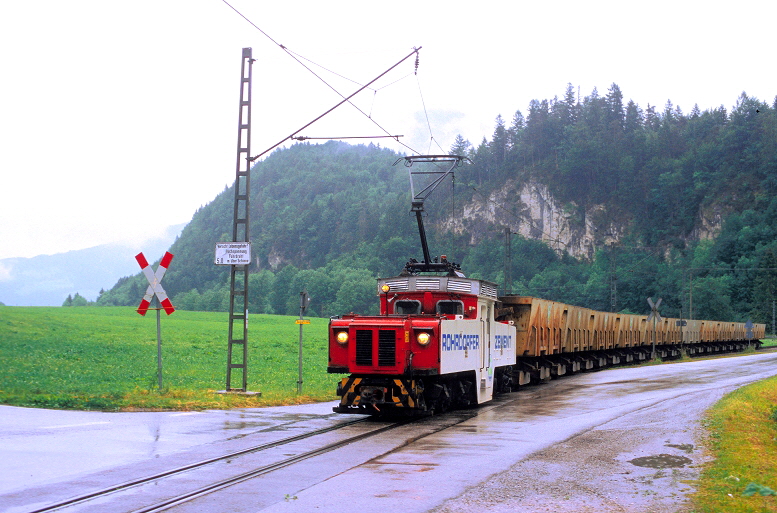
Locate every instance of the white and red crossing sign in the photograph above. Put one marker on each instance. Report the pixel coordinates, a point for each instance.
(155, 283)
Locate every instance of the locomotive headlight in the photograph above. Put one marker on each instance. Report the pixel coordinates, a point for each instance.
(423, 338)
(342, 337)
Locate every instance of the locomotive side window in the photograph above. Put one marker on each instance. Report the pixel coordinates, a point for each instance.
(407, 307)
(450, 307)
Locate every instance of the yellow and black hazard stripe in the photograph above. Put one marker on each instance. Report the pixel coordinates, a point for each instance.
(348, 390)
(400, 392)
(406, 393)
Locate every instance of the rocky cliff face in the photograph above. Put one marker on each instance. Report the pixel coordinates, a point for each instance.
(710, 222)
(529, 209)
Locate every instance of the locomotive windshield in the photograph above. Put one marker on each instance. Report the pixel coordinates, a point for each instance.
(450, 307)
(407, 307)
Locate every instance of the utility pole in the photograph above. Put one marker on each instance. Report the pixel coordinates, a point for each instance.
(682, 323)
(690, 295)
(655, 317)
(508, 280)
(237, 351)
(613, 280)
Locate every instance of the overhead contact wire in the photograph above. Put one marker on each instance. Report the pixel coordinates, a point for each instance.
(345, 99)
(415, 50)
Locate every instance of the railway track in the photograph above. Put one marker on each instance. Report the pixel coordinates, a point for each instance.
(184, 486)
(101, 494)
(224, 483)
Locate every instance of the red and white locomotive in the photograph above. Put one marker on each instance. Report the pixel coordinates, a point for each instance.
(435, 345)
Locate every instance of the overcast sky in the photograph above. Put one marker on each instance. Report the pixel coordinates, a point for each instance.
(119, 118)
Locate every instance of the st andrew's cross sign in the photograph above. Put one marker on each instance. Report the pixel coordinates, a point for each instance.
(155, 283)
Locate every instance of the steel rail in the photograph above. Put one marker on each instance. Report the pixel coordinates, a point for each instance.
(225, 483)
(144, 480)
(457, 416)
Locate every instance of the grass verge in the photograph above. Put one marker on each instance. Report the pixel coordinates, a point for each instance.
(105, 358)
(743, 442)
(769, 342)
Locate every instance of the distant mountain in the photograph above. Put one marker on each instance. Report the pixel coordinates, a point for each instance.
(47, 280)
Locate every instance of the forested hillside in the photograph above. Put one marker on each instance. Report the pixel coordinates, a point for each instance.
(333, 217)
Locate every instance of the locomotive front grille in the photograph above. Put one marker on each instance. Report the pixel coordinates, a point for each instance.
(387, 348)
(364, 347)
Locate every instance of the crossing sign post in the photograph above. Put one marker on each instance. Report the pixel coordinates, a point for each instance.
(749, 331)
(656, 318)
(155, 289)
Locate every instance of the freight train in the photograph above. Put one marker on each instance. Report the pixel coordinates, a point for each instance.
(444, 341)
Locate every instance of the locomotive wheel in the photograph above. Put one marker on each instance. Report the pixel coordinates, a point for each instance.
(440, 398)
(464, 397)
(504, 380)
(444, 399)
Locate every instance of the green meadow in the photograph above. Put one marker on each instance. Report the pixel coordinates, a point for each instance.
(105, 358)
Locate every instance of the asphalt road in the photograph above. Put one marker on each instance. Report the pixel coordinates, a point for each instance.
(566, 446)
(621, 440)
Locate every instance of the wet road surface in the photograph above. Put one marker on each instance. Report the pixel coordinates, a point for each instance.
(560, 447)
(592, 442)
(51, 446)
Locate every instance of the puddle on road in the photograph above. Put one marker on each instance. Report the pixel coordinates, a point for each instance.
(661, 461)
